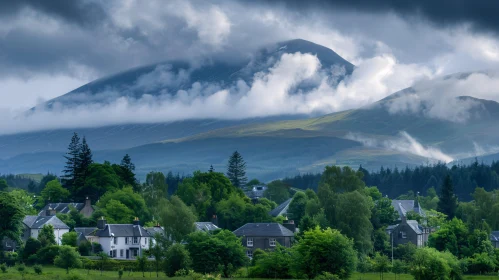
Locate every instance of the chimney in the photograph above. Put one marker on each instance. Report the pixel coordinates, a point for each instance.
(136, 221)
(101, 223)
(214, 220)
(50, 212)
(289, 224)
(88, 203)
(157, 225)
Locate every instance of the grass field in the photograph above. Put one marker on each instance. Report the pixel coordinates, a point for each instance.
(53, 273)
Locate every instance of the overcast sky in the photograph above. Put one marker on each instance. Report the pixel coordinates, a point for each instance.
(48, 48)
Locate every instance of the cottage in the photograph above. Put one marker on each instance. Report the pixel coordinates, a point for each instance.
(121, 241)
(408, 231)
(265, 236)
(86, 209)
(33, 224)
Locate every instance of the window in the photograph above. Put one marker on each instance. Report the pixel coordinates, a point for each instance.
(135, 240)
(126, 240)
(249, 242)
(403, 234)
(121, 253)
(111, 254)
(272, 242)
(145, 240)
(249, 253)
(115, 240)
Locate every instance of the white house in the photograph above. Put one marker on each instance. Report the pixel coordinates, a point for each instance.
(121, 241)
(33, 224)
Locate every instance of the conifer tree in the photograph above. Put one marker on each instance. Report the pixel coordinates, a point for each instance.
(236, 170)
(211, 169)
(84, 161)
(127, 175)
(72, 162)
(448, 200)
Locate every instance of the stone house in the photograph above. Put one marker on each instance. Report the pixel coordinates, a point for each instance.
(86, 209)
(265, 236)
(408, 231)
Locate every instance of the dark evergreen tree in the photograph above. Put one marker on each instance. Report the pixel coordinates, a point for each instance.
(236, 170)
(211, 168)
(127, 174)
(84, 161)
(448, 200)
(70, 172)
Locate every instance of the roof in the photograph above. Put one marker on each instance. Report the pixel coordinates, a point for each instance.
(256, 192)
(414, 225)
(206, 226)
(62, 207)
(85, 230)
(263, 230)
(404, 206)
(494, 236)
(125, 230)
(281, 209)
(35, 222)
(155, 230)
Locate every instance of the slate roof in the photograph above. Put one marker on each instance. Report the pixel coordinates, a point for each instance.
(62, 208)
(415, 226)
(205, 226)
(122, 230)
(404, 206)
(256, 191)
(155, 230)
(85, 230)
(494, 236)
(282, 209)
(36, 222)
(263, 230)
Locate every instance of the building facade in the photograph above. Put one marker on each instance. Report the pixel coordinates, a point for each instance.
(264, 236)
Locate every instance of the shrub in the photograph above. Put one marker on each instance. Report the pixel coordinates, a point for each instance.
(33, 259)
(67, 258)
(38, 269)
(120, 273)
(74, 276)
(47, 255)
(177, 258)
(326, 276)
(85, 248)
(22, 270)
(3, 267)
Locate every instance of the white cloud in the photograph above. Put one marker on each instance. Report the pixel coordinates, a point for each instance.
(405, 143)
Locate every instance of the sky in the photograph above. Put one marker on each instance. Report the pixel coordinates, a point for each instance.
(48, 48)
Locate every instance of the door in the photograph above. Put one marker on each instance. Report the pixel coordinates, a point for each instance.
(127, 254)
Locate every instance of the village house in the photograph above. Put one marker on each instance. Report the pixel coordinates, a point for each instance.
(121, 241)
(408, 230)
(33, 224)
(266, 236)
(86, 209)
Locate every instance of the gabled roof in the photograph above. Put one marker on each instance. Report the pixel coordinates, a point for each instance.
(263, 230)
(414, 225)
(256, 191)
(62, 207)
(404, 206)
(85, 230)
(122, 230)
(37, 222)
(281, 209)
(205, 226)
(155, 230)
(494, 236)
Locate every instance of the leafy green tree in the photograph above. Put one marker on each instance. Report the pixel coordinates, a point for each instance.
(25, 200)
(429, 263)
(297, 207)
(277, 191)
(381, 264)
(12, 216)
(177, 218)
(325, 251)
(236, 170)
(383, 213)
(273, 264)
(101, 178)
(154, 188)
(3, 185)
(46, 255)
(176, 258)
(142, 264)
(158, 248)
(70, 172)
(210, 251)
(53, 192)
(133, 201)
(68, 258)
(46, 235)
(70, 239)
(30, 248)
(85, 248)
(399, 267)
(117, 212)
(127, 172)
(447, 203)
(481, 263)
(452, 237)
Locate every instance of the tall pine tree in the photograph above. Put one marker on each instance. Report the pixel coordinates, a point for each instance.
(236, 170)
(127, 175)
(84, 161)
(448, 200)
(70, 172)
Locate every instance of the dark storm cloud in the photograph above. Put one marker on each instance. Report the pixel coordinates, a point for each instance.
(481, 14)
(79, 12)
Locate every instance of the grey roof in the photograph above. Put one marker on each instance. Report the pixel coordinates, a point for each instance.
(62, 207)
(205, 226)
(85, 230)
(256, 192)
(282, 209)
(415, 226)
(263, 230)
(155, 230)
(494, 236)
(404, 206)
(125, 230)
(35, 222)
